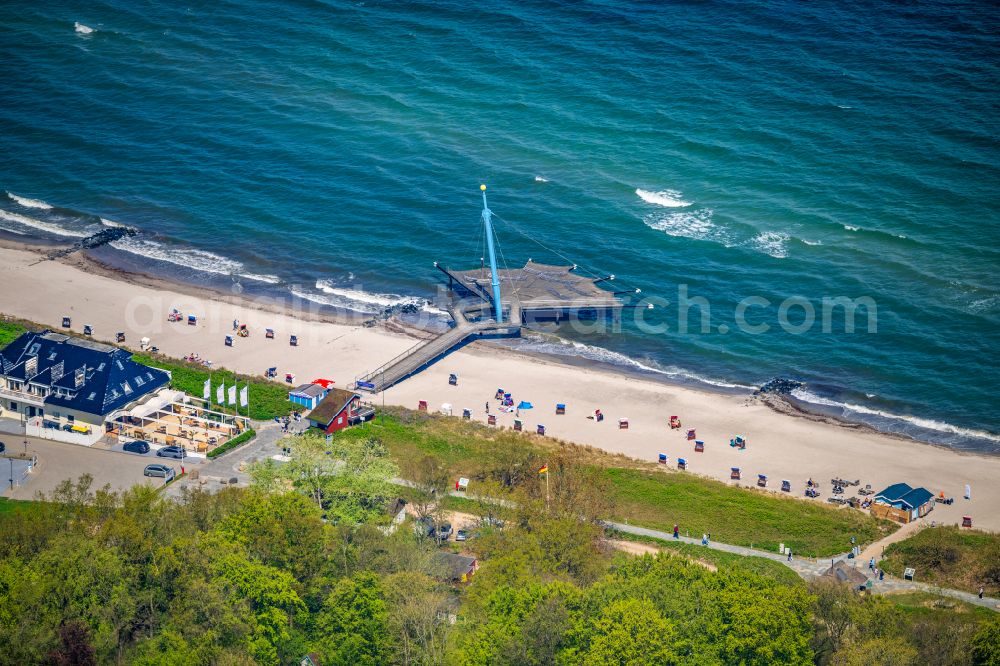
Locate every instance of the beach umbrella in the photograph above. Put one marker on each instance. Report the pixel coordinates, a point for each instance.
(525, 405)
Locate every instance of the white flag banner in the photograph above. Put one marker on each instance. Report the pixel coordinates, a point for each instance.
(220, 393)
(232, 394)
(207, 392)
(245, 396)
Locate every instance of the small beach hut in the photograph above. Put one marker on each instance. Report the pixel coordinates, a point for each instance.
(623, 423)
(662, 459)
(598, 415)
(308, 395)
(540, 429)
(271, 372)
(699, 446)
(462, 484)
(120, 336)
(289, 378)
(467, 414)
(175, 315)
(682, 463)
(498, 395)
(675, 422)
(762, 480)
(144, 344)
(739, 442)
(66, 322)
(966, 521)
(734, 473)
(560, 408)
(269, 333)
(88, 329)
(192, 320)
(293, 340)
(491, 419)
(518, 425)
(422, 405)
(446, 409)
(691, 434)
(229, 341)
(452, 380)
(786, 485)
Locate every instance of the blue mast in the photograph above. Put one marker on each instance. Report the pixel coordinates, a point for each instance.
(494, 279)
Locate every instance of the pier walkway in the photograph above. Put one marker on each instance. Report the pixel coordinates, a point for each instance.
(423, 353)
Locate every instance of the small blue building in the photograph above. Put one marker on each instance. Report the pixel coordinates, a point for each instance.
(914, 502)
(308, 395)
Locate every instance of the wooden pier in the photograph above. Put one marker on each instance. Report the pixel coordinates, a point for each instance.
(424, 353)
(490, 300)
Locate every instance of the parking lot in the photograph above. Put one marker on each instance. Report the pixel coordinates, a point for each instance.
(58, 461)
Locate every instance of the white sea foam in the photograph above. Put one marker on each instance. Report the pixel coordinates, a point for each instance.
(809, 242)
(40, 225)
(666, 198)
(83, 29)
(774, 243)
(110, 223)
(199, 260)
(927, 424)
(850, 228)
(29, 203)
(357, 300)
(695, 224)
(540, 179)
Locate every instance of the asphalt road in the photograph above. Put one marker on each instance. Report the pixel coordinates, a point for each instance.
(58, 461)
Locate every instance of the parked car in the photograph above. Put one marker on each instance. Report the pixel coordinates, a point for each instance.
(461, 535)
(444, 531)
(172, 452)
(137, 446)
(159, 470)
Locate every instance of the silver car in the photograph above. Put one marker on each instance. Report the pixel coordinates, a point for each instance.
(158, 470)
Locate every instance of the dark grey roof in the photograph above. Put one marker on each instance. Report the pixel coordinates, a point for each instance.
(843, 573)
(92, 377)
(308, 390)
(453, 565)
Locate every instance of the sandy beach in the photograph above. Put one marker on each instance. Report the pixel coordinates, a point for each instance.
(782, 446)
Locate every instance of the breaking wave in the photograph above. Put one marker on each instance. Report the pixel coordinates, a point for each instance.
(358, 300)
(926, 424)
(29, 203)
(199, 260)
(38, 225)
(83, 29)
(666, 198)
(560, 347)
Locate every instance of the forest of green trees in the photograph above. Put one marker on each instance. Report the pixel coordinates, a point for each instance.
(303, 563)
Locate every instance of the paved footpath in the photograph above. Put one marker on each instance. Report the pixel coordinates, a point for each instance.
(813, 568)
(227, 466)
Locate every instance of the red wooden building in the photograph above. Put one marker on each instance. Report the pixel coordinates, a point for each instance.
(338, 410)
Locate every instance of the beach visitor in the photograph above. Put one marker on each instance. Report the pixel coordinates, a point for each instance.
(881, 574)
(677, 532)
(981, 590)
(704, 539)
(871, 563)
(487, 406)
(789, 554)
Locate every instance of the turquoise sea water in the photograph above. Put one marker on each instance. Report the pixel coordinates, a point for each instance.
(823, 149)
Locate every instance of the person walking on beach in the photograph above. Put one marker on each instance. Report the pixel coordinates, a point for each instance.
(881, 574)
(704, 539)
(677, 532)
(789, 554)
(981, 590)
(487, 406)
(871, 563)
